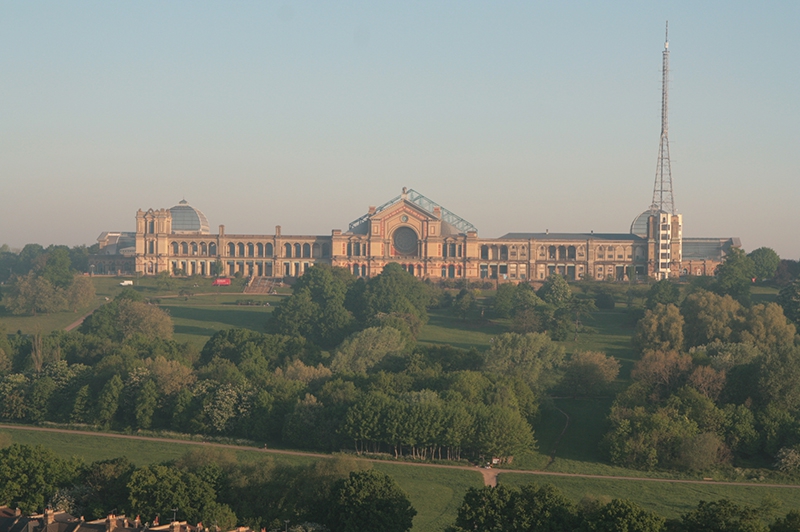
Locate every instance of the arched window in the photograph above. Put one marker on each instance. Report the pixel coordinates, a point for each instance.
(175, 248)
(315, 250)
(326, 250)
(259, 250)
(562, 252)
(288, 250)
(571, 254)
(184, 248)
(250, 249)
(503, 252)
(355, 269)
(551, 252)
(194, 248)
(306, 250)
(212, 249)
(268, 251)
(297, 251)
(203, 248)
(231, 249)
(485, 252)
(240, 250)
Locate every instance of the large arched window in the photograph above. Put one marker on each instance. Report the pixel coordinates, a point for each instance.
(212, 249)
(306, 250)
(485, 252)
(231, 249)
(250, 249)
(268, 249)
(175, 248)
(259, 250)
(203, 248)
(551, 252)
(288, 250)
(194, 248)
(297, 251)
(240, 249)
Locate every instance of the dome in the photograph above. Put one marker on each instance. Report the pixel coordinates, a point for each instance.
(187, 219)
(639, 225)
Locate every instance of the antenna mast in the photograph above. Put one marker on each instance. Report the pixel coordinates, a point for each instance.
(662, 190)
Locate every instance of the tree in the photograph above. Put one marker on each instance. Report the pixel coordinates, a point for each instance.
(735, 275)
(369, 500)
(722, 516)
(146, 402)
(58, 268)
(137, 318)
(80, 293)
(30, 475)
(107, 483)
(465, 303)
(503, 303)
(532, 356)
(710, 317)
(542, 508)
(789, 299)
(108, 400)
(364, 350)
(765, 261)
(395, 291)
(661, 328)
(484, 509)
(157, 489)
(589, 373)
(6, 351)
(662, 370)
(621, 514)
(555, 291)
(31, 294)
(664, 292)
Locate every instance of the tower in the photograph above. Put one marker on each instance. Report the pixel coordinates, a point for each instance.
(660, 224)
(663, 199)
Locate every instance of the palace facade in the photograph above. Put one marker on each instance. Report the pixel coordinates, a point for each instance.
(425, 238)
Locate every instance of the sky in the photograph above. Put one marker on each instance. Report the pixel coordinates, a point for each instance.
(517, 116)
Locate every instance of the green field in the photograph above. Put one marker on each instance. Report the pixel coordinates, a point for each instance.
(435, 493)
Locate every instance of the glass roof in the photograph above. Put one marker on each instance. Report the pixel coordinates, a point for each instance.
(187, 219)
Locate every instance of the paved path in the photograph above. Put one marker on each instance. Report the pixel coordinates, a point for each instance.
(489, 475)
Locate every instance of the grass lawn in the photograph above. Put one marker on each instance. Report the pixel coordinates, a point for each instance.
(666, 499)
(197, 318)
(435, 493)
(445, 328)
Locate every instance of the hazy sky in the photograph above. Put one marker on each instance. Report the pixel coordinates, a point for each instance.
(518, 116)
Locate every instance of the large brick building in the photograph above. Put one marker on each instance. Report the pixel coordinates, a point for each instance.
(421, 235)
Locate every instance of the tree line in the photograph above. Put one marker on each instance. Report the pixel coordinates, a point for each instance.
(545, 508)
(208, 487)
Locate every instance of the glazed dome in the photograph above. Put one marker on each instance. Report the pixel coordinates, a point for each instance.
(187, 219)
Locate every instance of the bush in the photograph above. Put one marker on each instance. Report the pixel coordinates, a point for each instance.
(605, 301)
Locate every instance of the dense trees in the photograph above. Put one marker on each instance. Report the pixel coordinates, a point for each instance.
(765, 262)
(369, 500)
(45, 280)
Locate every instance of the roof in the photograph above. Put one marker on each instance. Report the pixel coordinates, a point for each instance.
(187, 219)
(573, 236)
(451, 223)
(700, 248)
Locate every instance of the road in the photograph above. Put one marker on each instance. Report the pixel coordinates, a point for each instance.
(489, 475)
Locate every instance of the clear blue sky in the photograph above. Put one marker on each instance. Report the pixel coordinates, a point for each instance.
(518, 116)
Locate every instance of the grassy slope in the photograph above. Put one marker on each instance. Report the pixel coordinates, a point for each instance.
(434, 493)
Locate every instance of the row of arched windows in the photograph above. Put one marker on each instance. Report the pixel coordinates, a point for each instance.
(193, 248)
(250, 250)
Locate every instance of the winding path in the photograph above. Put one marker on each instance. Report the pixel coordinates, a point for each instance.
(489, 475)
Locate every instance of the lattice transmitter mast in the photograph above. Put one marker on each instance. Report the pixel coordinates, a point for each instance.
(662, 190)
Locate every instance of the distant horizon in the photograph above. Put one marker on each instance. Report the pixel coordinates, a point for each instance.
(517, 117)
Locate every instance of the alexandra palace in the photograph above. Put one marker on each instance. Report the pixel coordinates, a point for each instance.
(428, 240)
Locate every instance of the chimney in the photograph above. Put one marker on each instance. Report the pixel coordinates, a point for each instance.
(137, 522)
(175, 526)
(221, 230)
(17, 512)
(437, 211)
(49, 516)
(372, 209)
(277, 230)
(111, 522)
